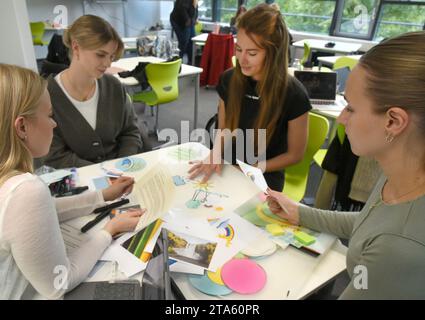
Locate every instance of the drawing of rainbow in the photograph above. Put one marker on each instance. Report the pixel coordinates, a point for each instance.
(229, 233)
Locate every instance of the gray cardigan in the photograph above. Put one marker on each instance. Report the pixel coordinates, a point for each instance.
(76, 144)
(388, 240)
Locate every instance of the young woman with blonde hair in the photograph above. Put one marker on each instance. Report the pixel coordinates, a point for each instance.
(96, 121)
(384, 120)
(260, 94)
(32, 249)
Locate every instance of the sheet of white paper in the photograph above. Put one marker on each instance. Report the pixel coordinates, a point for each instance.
(72, 237)
(182, 267)
(255, 174)
(234, 234)
(55, 176)
(128, 263)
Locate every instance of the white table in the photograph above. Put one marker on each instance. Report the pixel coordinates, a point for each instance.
(186, 71)
(287, 270)
(319, 45)
(330, 61)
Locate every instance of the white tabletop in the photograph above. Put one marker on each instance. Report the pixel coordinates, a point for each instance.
(128, 64)
(287, 270)
(340, 46)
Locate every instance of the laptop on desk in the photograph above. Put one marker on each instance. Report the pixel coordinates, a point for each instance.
(156, 284)
(321, 89)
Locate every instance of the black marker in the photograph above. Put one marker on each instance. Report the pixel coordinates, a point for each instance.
(112, 206)
(95, 221)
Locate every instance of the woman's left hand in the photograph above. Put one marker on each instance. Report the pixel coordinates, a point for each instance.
(123, 185)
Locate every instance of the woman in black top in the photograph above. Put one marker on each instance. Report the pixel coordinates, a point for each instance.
(259, 94)
(183, 19)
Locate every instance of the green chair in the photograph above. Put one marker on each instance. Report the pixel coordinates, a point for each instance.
(320, 154)
(162, 78)
(345, 62)
(37, 31)
(296, 176)
(198, 28)
(307, 53)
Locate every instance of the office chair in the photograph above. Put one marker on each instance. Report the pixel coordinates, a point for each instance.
(37, 31)
(307, 54)
(162, 78)
(339, 63)
(296, 175)
(345, 62)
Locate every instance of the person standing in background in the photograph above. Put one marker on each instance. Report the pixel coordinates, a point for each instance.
(183, 19)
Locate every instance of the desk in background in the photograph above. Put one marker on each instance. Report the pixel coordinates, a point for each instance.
(289, 269)
(319, 45)
(186, 71)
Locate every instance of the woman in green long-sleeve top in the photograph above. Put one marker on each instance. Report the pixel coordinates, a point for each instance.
(384, 119)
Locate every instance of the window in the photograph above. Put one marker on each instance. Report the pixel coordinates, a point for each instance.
(313, 16)
(205, 10)
(252, 3)
(398, 18)
(227, 9)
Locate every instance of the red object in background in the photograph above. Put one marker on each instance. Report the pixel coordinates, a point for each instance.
(216, 57)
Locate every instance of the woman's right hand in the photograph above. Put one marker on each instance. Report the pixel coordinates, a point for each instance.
(124, 222)
(284, 207)
(206, 167)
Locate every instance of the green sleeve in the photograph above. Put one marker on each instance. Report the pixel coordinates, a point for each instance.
(334, 222)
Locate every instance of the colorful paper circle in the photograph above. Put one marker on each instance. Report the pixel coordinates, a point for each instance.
(216, 277)
(243, 276)
(130, 164)
(205, 285)
(262, 247)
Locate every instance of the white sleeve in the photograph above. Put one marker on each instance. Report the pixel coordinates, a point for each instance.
(31, 227)
(79, 205)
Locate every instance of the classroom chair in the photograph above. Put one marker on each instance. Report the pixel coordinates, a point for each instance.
(307, 54)
(198, 28)
(296, 175)
(163, 79)
(37, 31)
(345, 62)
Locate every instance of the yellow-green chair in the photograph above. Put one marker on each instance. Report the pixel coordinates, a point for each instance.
(37, 31)
(162, 78)
(345, 62)
(320, 154)
(296, 176)
(198, 28)
(307, 53)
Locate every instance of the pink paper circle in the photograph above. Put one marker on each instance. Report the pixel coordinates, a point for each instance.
(243, 276)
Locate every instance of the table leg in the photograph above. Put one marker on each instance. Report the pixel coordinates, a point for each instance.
(195, 115)
(193, 52)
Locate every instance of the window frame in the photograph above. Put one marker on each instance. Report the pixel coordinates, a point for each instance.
(335, 26)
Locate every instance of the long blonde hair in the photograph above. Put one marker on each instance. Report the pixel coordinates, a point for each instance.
(92, 32)
(20, 93)
(266, 22)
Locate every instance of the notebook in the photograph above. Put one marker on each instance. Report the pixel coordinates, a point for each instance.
(320, 86)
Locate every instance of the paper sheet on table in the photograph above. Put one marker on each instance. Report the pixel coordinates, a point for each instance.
(255, 174)
(235, 234)
(182, 267)
(72, 237)
(154, 191)
(55, 176)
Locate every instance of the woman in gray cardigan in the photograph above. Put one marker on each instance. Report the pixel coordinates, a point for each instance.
(96, 121)
(384, 119)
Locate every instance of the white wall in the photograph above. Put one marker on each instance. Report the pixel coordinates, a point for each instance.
(141, 14)
(15, 34)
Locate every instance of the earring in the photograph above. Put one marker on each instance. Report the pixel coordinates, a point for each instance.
(389, 138)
